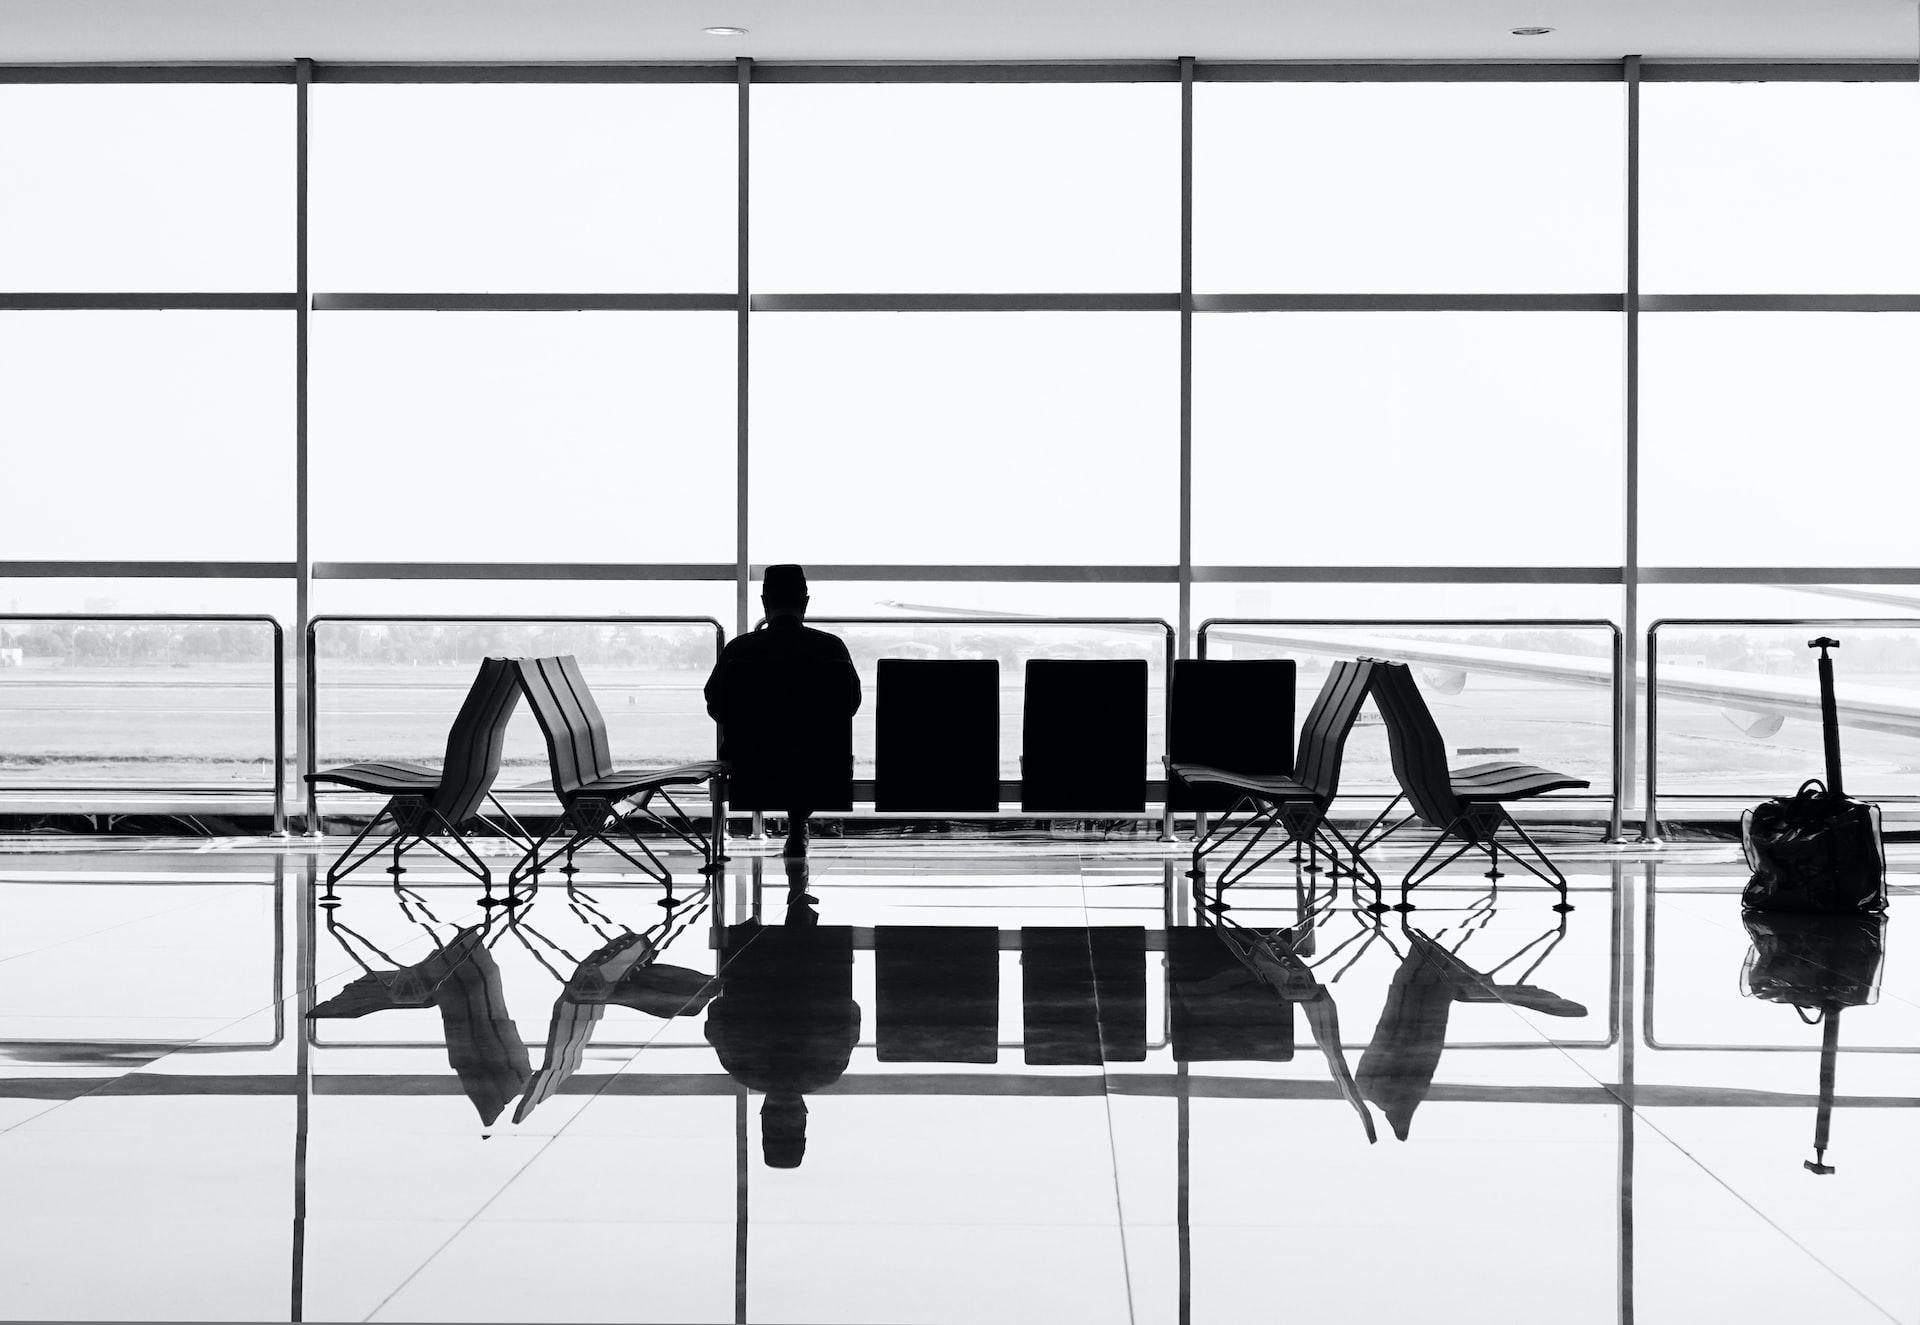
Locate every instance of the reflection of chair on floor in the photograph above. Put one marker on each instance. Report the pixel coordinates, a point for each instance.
(1467, 803)
(936, 991)
(1396, 1071)
(1296, 804)
(422, 800)
(1083, 994)
(625, 970)
(462, 980)
(595, 797)
(1278, 959)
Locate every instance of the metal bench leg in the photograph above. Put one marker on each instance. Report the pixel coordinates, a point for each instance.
(1415, 877)
(343, 865)
(1552, 874)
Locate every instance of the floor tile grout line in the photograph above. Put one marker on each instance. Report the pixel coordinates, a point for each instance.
(1640, 1119)
(1106, 1100)
(545, 1145)
(281, 997)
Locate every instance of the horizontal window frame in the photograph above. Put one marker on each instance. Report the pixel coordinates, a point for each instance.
(965, 71)
(1152, 573)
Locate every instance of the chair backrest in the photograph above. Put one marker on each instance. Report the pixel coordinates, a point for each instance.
(936, 735)
(1323, 736)
(1083, 736)
(474, 743)
(569, 747)
(1235, 714)
(1419, 751)
(590, 722)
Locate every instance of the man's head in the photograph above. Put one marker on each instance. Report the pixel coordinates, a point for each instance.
(783, 592)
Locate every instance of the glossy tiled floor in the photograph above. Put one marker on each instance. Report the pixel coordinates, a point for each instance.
(993, 1081)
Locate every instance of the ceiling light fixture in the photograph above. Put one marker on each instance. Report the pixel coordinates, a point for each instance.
(1531, 32)
(725, 32)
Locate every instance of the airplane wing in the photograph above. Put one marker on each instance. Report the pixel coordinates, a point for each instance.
(1752, 694)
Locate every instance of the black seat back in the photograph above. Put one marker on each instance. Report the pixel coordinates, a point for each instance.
(937, 735)
(1083, 736)
(569, 748)
(474, 743)
(1419, 751)
(590, 725)
(1323, 736)
(1235, 714)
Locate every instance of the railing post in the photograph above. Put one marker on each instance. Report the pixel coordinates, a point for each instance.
(1650, 834)
(1166, 742)
(279, 731)
(1622, 738)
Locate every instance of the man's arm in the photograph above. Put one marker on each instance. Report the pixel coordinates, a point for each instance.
(716, 689)
(853, 680)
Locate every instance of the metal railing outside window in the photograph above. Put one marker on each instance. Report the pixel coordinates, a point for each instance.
(122, 703)
(1455, 661)
(646, 671)
(1783, 687)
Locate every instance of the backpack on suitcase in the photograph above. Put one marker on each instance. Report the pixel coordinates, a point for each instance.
(1817, 851)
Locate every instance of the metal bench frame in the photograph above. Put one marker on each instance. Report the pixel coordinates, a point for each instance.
(1296, 805)
(597, 799)
(1467, 803)
(422, 801)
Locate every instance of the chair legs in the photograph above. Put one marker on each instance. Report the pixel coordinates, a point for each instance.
(412, 823)
(587, 820)
(1302, 824)
(1477, 827)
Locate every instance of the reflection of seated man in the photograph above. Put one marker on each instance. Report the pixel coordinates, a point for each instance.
(783, 697)
(785, 1022)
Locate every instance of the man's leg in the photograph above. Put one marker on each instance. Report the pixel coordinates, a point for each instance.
(796, 844)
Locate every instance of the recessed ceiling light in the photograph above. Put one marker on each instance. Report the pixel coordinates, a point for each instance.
(725, 32)
(1531, 32)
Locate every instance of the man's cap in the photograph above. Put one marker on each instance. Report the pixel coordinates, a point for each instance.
(784, 582)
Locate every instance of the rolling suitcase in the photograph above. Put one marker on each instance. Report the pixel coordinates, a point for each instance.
(1817, 851)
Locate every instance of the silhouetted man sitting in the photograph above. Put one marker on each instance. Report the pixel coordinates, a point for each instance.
(784, 697)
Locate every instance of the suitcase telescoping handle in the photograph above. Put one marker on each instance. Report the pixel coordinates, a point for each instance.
(1829, 714)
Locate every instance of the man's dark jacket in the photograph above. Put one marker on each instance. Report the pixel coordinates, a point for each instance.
(785, 697)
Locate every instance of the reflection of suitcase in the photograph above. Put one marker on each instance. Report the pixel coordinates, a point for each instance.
(1818, 965)
(1818, 850)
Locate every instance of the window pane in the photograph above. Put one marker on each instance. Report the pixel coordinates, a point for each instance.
(523, 436)
(1407, 439)
(1408, 187)
(966, 187)
(116, 704)
(391, 689)
(479, 599)
(1548, 701)
(1779, 187)
(156, 436)
(1739, 706)
(144, 187)
(500, 187)
(1778, 439)
(1470, 602)
(965, 438)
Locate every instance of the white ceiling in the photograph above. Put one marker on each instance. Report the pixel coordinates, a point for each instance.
(166, 30)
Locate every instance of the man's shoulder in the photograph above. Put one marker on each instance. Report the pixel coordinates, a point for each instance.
(825, 640)
(797, 639)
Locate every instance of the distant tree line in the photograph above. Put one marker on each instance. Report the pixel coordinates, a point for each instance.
(138, 643)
